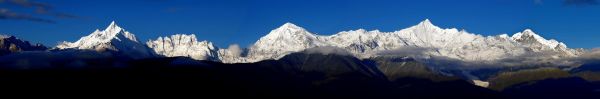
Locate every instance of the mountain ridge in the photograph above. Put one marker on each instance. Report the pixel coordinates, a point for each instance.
(431, 41)
(423, 41)
(450, 43)
(12, 44)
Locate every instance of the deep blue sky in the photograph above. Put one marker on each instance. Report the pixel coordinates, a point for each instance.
(225, 22)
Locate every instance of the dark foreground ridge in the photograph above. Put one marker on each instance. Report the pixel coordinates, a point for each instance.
(297, 75)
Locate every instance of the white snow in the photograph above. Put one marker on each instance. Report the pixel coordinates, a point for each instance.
(451, 43)
(529, 34)
(113, 38)
(183, 45)
(286, 39)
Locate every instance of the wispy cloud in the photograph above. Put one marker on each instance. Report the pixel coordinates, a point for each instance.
(6, 14)
(28, 3)
(592, 55)
(327, 50)
(39, 8)
(541, 58)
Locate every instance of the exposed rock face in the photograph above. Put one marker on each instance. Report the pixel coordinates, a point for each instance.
(184, 45)
(13, 44)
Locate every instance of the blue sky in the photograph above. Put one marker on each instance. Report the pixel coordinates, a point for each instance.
(224, 22)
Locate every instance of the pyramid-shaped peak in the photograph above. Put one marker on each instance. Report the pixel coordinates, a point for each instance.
(426, 22)
(287, 30)
(112, 25)
(113, 38)
(289, 25)
(112, 31)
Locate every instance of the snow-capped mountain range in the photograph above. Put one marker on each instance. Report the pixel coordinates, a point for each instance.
(424, 41)
(430, 40)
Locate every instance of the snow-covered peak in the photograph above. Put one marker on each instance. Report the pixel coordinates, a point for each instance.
(289, 25)
(528, 32)
(112, 32)
(183, 45)
(425, 24)
(530, 37)
(287, 38)
(288, 29)
(113, 25)
(113, 38)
